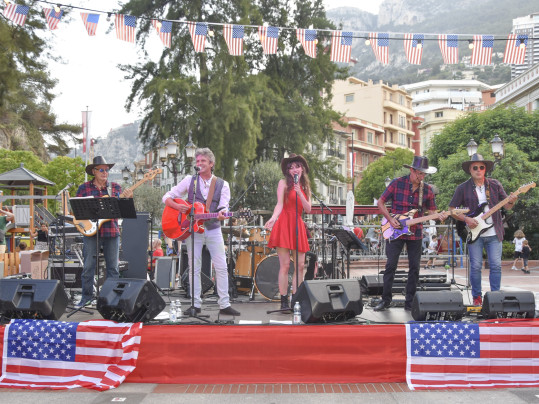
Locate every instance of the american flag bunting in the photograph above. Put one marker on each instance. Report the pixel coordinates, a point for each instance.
(52, 17)
(164, 31)
(90, 22)
(514, 53)
(125, 27)
(449, 47)
(413, 46)
(269, 38)
(234, 38)
(16, 13)
(380, 46)
(482, 51)
(198, 31)
(341, 46)
(307, 37)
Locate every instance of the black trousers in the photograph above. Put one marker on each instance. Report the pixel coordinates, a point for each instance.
(393, 251)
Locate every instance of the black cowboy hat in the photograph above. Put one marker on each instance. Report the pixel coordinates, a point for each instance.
(421, 163)
(290, 159)
(477, 158)
(98, 161)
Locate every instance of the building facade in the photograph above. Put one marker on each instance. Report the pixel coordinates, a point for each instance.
(523, 91)
(528, 25)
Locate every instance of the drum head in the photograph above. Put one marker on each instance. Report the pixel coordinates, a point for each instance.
(267, 277)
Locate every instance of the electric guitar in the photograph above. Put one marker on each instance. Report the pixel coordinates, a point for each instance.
(89, 228)
(481, 217)
(407, 220)
(175, 224)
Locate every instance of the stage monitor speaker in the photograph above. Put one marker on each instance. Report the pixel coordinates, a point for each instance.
(32, 298)
(329, 300)
(503, 304)
(165, 272)
(135, 245)
(129, 300)
(442, 305)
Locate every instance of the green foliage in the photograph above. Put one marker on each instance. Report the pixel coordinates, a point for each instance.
(267, 175)
(508, 250)
(148, 199)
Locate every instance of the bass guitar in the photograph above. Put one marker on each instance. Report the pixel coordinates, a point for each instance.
(175, 224)
(89, 228)
(407, 220)
(481, 216)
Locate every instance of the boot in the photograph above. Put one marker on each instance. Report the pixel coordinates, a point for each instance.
(284, 302)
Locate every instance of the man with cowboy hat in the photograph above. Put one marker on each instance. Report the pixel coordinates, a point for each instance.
(478, 190)
(109, 232)
(407, 193)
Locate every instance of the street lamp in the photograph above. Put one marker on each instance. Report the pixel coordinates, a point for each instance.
(168, 153)
(471, 147)
(497, 148)
(135, 175)
(387, 181)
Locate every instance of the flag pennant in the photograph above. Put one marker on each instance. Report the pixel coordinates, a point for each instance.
(16, 13)
(49, 354)
(449, 47)
(234, 38)
(85, 119)
(307, 37)
(125, 27)
(269, 38)
(198, 31)
(53, 17)
(164, 30)
(482, 50)
(380, 46)
(413, 46)
(341, 46)
(515, 49)
(90, 22)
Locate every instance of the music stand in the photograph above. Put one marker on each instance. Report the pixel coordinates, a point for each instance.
(349, 241)
(90, 208)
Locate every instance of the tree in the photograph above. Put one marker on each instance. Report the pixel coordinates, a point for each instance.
(148, 199)
(267, 175)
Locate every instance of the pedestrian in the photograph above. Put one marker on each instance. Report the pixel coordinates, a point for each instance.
(431, 251)
(526, 249)
(517, 241)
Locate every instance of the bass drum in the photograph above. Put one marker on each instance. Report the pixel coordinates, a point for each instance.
(267, 277)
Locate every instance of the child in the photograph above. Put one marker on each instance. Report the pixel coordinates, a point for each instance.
(431, 250)
(517, 241)
(526, 249)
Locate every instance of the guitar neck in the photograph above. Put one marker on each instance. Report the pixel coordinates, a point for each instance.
(206, 216)
(497, 207)
(416, 220)
(133, 187)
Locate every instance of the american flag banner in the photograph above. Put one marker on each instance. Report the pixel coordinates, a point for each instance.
(52, 17)
(380, 46)
(491, 354)
(125, 27)
(164, 31)
(482, 50)
(198, 31)
(413, 46)
(514, 52)
(449, 47)
(234, 38)
(307, 37)
(90, 22)
(45, 354)
(16, 13)
(269, 38)
(341, 46)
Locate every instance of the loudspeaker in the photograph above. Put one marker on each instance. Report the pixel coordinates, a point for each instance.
(135, 245)
(165, 272)
(329, 300)
(437, 306)
(129, 300)
(502, 304)
(32, 298)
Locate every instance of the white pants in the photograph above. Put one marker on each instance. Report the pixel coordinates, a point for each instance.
(216, 246)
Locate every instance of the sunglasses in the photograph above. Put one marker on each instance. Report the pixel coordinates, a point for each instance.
(475, 168)
(103, 170)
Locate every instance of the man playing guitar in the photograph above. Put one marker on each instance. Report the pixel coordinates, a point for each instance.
(217, 192)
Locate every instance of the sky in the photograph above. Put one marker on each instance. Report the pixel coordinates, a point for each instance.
(89, 78)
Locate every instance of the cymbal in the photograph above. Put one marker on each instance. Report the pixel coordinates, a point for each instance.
(261, 212)
(237, 231)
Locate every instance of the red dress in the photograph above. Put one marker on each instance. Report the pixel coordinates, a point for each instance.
(283, 233)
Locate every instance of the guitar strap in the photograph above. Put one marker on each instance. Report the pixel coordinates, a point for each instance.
(420, 199)
(210, 193)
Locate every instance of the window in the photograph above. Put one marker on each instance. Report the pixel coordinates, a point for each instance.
(402, 139)
(439, 114)
(364, 160)
(402, 121)
(349, 98)
(339, 169)
(390, 137)
(401, 99)
(370, 137)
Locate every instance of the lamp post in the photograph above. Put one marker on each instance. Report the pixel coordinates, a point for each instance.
(496, 144)
(471, 147)
(134, 175)
(387, 181)
(168, 153)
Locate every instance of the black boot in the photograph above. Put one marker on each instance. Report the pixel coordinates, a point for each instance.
(284, 302)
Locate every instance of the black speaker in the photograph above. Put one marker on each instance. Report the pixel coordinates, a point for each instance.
(329, 300)
(32, 298)
(437, 306)
(165, 272)
(134, 248)
(129, 300)
(502, 304)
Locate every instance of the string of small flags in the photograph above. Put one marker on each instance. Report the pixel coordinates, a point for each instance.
(341, 41)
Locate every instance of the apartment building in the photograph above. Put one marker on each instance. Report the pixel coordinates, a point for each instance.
(528, 25)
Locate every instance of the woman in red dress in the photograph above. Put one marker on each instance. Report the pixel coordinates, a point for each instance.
(283, 221)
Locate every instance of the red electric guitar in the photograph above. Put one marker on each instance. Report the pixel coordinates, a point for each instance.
(176, 224)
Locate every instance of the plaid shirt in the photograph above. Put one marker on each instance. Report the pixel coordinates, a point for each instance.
(110, 228)
(403, 199)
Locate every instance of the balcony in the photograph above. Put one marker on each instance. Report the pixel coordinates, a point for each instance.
(335, 153)
(397, 107)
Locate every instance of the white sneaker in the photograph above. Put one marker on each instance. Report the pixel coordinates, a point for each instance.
(514, 268)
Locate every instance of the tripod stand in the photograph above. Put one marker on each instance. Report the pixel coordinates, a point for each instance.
(453, 262)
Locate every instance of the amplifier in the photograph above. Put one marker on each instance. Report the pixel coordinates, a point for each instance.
(71, 272)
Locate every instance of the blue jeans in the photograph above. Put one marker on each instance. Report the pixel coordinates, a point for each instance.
(493, 247)
(110, 252)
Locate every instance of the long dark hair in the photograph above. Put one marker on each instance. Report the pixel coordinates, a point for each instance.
(303, 181)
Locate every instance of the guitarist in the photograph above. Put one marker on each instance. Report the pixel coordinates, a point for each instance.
(406, 193)
(473, 193)
(109, 233)
(212, 235)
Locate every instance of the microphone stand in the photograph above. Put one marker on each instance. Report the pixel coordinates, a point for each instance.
(322, 205)
(296, 263)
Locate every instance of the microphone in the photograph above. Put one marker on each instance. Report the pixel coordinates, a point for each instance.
(296, 178)
(66, 187)
(254, 182)
(197, 168)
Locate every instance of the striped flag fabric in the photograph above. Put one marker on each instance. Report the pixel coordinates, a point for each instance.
(16, 13)
(269, 38)
(380, 46)
(482, 51)
(164, 30)
(490, 354)
(449, 47)
(198, 31)
(341, 46)
(85, 120)
(90, 22)
(514, 52)
(52, 17)
(125, 27)
(96, 354)
(413, 46)
(307, 37)
(234, 38)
